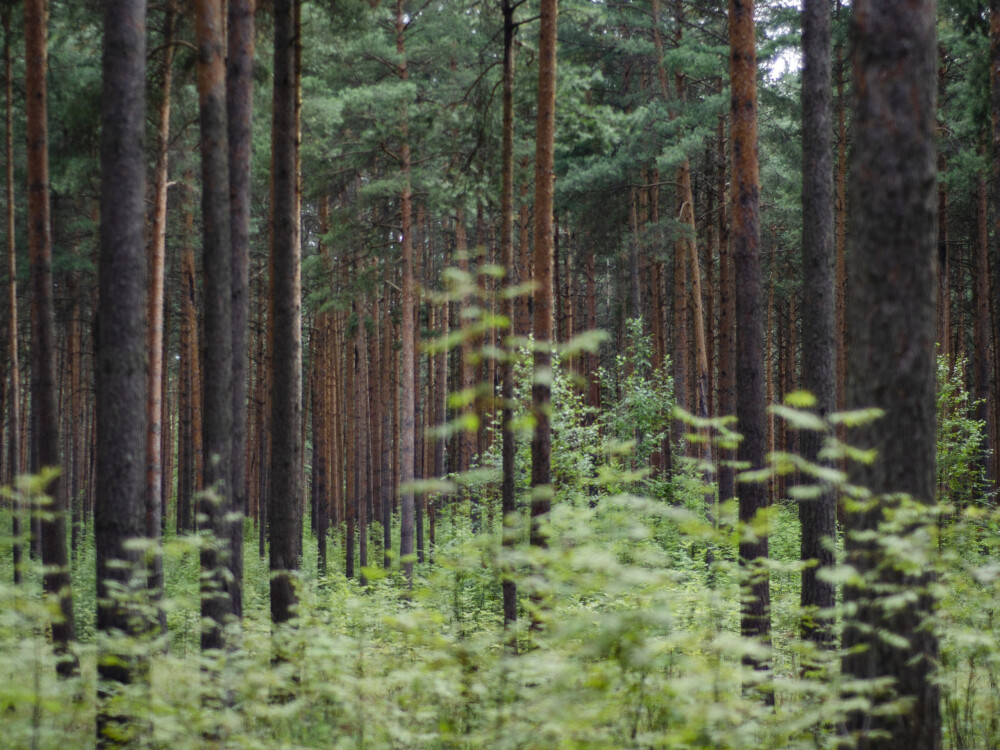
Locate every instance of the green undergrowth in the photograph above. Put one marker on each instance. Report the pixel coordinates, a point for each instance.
(636, 645)
(627, 636)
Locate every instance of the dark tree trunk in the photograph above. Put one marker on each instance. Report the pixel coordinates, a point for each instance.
(891, 354)
(508, 447)
(359, 404)
(239, 111)
(840, 227)
(285, 495)
(541, 392)
(45, 416)
(818, 517)
(407, 354)
(350, 456)
(385, 457)
(217, 404)
(121, 350)
(750, 415)
(187, 381)
(983, 359)
(14, 410)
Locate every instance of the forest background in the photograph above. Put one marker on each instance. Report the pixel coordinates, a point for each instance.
(318, 330)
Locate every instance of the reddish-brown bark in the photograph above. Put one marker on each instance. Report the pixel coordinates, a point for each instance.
(155, 499)
(750, 415)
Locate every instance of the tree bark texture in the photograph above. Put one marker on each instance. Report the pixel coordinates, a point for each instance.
(727, 317)
(541, 391)
(45, 415)
(891, 351)
(285, 495)
(217, 406)
(239, 121)
(407, 353)
(154, 317)
(508, 447)
(14, 444)
(819, 345)
(750, 414)
(121, 348)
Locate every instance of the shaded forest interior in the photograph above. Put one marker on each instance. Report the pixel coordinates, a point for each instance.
(562, 355)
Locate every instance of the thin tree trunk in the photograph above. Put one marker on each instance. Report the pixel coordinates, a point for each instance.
(239, 118)
(981, 330)
(840, 228)
(14, 442)
(522, 305)
(750, 416)
(359, 402)
(418, 405)
(187, 386)
(407, 354)
(351, 456)
(593, 380)
(386, 488)
(154, 322)
(45, 435)
(541, 392)
(76, 409)
(508, 447)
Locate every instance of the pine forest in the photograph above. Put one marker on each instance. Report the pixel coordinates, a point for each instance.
(500, 374)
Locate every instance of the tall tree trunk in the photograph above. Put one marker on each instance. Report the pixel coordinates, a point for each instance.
(239, 114)
(508, 446)
(995, 176)
(983, 358)
(154, 321)
(943, 270)
(285, 492)
(407, 354)
(593, 380)
(121, 355)
(320, 489)
(418, 406)
(891, 357)
(727, 315)
(45, 436)
(217, 407)
(750, 416)
(188, 383)
(350, 455)
(680, 307)
(14, 443)
(522, 305)
(76, 414)
(168, 408)
(541, 392)
(361, 410)
(688, 242)
(385, 458)
(840, 227)
(818, 517)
